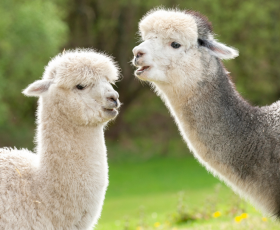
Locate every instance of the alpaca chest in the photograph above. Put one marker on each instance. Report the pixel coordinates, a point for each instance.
(75, 202)
(87, 199)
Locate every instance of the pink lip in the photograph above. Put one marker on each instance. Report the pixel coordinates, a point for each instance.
(142, 69)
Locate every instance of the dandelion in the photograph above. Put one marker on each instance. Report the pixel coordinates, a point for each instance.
(238, 219)
(244, 216)
(139, 228)
(157, 224)
(216, 214)
(264, 219)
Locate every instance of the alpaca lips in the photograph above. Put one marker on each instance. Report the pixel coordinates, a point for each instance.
(142, 69)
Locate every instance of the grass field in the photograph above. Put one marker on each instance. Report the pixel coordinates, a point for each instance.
(173, 193)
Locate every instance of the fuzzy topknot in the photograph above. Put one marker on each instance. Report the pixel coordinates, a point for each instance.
(81, 66)
(204, 27)
(170, 24)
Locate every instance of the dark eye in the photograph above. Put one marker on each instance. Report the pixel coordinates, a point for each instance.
(80, 87)
(175, 45)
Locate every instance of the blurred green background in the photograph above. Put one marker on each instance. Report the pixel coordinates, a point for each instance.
(149, 162)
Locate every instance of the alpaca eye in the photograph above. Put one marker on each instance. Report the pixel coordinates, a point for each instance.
(80, 87)
(175, 45)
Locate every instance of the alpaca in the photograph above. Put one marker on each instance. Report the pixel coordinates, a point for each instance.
(64, 184)
(235, 141)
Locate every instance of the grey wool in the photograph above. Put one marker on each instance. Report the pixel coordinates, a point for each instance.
(234, 140)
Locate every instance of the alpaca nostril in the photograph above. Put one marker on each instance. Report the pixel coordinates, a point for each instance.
(113, 99)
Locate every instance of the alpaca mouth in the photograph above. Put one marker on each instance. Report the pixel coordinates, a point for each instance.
(142, 69)
(110, 112)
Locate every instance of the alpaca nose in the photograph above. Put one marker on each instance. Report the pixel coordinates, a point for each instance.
(113, 97)
(138, 52)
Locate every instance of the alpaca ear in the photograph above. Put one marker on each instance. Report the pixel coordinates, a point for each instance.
(218, 49)
(37, 88)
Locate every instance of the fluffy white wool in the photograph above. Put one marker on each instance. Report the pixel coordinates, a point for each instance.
(169, 24)
(63, 185)
(72, 67)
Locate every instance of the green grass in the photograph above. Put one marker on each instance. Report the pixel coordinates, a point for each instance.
(144, 193)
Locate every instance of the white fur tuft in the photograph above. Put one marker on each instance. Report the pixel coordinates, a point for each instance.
(73, 66)
(169, 24)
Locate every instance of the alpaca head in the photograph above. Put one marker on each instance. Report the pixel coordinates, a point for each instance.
(176, 44)
(77, 85)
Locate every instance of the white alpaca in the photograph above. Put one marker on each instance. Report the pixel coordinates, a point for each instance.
(64, 184)
(234, 140)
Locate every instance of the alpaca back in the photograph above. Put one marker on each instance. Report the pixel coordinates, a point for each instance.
(17, 200)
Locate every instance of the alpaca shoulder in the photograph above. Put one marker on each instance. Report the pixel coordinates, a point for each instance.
(17, 163)
(17, 168)
(16, 185)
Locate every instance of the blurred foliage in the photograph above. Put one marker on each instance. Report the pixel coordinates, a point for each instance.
(33, 31)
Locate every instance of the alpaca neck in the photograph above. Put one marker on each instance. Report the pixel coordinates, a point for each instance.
(67, 150)
(215, 121)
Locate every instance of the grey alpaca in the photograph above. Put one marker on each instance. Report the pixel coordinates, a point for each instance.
(234, 140)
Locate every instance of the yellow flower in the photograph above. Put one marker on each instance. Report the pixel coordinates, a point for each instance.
(139, 228)
(238, 219)
(244, 215)
(264, 219)
(156, 224)
(216, 214)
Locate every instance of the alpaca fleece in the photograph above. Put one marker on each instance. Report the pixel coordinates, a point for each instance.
(235, 141)
(63, 185)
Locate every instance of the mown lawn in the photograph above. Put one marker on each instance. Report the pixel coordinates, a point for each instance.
(173, 193)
